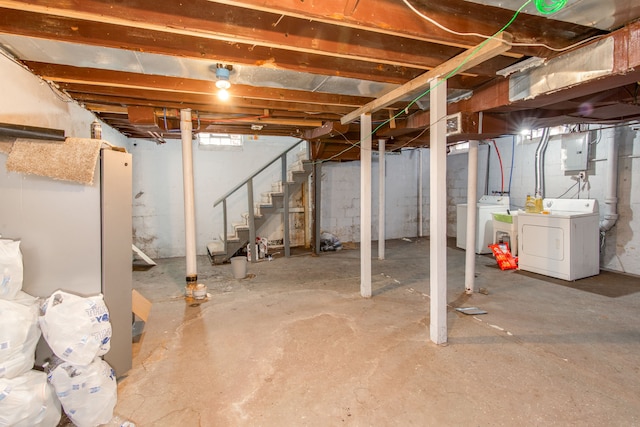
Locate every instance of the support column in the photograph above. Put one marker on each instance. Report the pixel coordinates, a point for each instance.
(472, 221)
(381, 198)
(365, 205)
(317, 201)
(420, 220)
(285, 207)
(189, 206)
(438, 212)
(251, 209)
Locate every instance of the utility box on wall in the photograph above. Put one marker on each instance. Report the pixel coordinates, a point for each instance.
(574, 151)
(77, 238)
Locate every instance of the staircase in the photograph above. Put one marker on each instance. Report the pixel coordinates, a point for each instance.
(272, 204)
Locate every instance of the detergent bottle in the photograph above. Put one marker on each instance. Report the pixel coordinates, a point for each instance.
(538, 203)
(530, 205)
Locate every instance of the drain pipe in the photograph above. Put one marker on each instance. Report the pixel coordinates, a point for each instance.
(189, 211)
(540, 151)
(611, 196)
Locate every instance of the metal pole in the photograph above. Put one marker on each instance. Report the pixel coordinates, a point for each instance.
(317, 201)
(472, 194)
(252, 223)
(285, 207)
(381, 199)
(224, 220)
(420, 231)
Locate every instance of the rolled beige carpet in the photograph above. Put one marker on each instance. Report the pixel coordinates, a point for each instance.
(72, 160)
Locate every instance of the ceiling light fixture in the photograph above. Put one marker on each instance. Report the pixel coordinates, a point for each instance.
(222, 80)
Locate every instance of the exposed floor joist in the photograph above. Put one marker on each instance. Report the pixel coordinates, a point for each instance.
(298, 63)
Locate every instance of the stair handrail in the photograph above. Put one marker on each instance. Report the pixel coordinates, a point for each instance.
(239, 186)
(249, 183)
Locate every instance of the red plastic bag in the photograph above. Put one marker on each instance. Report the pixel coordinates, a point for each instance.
(506, 261)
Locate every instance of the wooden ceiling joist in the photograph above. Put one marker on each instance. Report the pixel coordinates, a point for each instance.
(464, 61)
(327, 42)
(394, 17)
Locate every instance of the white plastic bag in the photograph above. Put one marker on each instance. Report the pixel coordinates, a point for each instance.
(10, 268)
(19, 335)
(76, 328)
(88, 394)
(28, 401)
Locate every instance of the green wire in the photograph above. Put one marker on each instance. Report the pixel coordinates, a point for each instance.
(455, 70)
(546, 7)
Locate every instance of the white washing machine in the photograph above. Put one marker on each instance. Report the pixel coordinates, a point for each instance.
(563, 243)
(485, 207)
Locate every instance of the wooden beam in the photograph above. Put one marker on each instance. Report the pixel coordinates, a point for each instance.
(82, 91)
(328, 129)
(365, 206)
(157, 41)
(458, 64)
(128, 80)
(438, 214)
(236, 25)
(393, 17)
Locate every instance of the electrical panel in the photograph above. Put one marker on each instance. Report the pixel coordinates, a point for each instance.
(575, 151)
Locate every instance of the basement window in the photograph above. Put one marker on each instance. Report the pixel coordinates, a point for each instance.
(219, 140)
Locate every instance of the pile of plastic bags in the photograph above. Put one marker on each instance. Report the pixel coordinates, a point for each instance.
(77, 330)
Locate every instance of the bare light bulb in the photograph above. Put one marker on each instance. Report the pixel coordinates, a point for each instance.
(223, 95)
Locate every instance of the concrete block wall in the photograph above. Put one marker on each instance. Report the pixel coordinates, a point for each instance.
(341, 196)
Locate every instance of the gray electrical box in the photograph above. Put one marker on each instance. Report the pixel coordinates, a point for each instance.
(575, 151)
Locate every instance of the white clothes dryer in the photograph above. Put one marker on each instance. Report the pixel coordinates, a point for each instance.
(562, 242)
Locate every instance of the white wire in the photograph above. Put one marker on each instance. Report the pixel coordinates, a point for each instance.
(439, 25)
(442, 27)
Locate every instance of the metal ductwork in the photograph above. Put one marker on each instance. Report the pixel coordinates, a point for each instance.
(540, 151)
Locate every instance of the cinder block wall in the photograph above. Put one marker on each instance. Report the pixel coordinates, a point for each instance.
(341, 196)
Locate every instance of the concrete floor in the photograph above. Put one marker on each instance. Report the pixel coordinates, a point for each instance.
(294, 344)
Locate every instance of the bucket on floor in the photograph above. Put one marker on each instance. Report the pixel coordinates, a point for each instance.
(239, 267)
